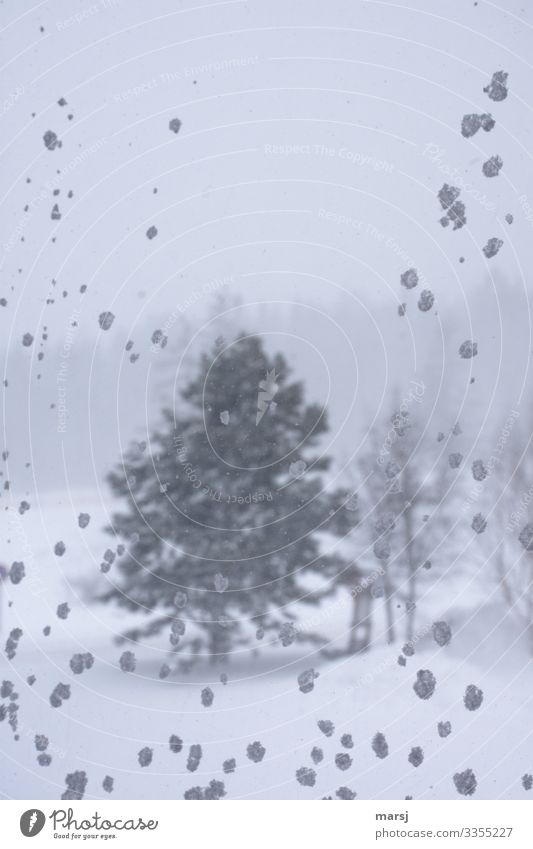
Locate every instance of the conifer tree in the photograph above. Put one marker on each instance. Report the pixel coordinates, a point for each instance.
(228, 519)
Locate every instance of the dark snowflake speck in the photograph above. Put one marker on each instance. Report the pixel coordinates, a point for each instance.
(492, 247)
(416, 756)
(465, 782)
(497, 88)
(306, 680)
(255, 752)
(326, 726)
(195, 756)
(343, 761)
(479, 523)
(468, 350)
(145, 756)
(207, 697)
(380, 745)
(425, 684)
(409, 278)
(306, 776)
(492, 167)
(426, 300)
(317, 755)
(473, 697)
(76, 783)
(442, 633)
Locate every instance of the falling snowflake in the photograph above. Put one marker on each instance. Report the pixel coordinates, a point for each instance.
(287, 634)
(306, 680)
(60, 693)
(79, 662)
(63, 610)
(127, 661)
(195, 756)
(16, 572)
(255, 751)
(76, 783)
(497, 88)
(479, 470)
(51, 140)
(345, 793)
(409, 278)
(425, 684)
(297, 468)
(221, 583)
(306, 776)
(108, 784)
(473, 697)
(426, 300)
(159, 339)
(492, 247)
(468, 350)
(493, 166)
(472, 123)
(41, 742)
(175, 744)
(479, 523)
(442, 633)
(455, 459)
(465, 782)
(207, 697)
(416, 756)
(317, 755)
(145, 756)
(343, 761)
(525, 537)
(455, 209)
(326, 726)
(106, 319)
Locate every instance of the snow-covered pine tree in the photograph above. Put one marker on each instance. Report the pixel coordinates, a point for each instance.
(227, 510)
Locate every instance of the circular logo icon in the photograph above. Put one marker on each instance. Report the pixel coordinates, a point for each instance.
(32, 822)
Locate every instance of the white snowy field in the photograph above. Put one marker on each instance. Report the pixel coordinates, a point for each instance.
(112, 715)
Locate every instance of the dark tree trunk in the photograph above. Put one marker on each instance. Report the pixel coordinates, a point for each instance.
(361, 627)
(389, 610)
(411, 581)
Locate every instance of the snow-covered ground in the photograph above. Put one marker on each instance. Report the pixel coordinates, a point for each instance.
(112, 715)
